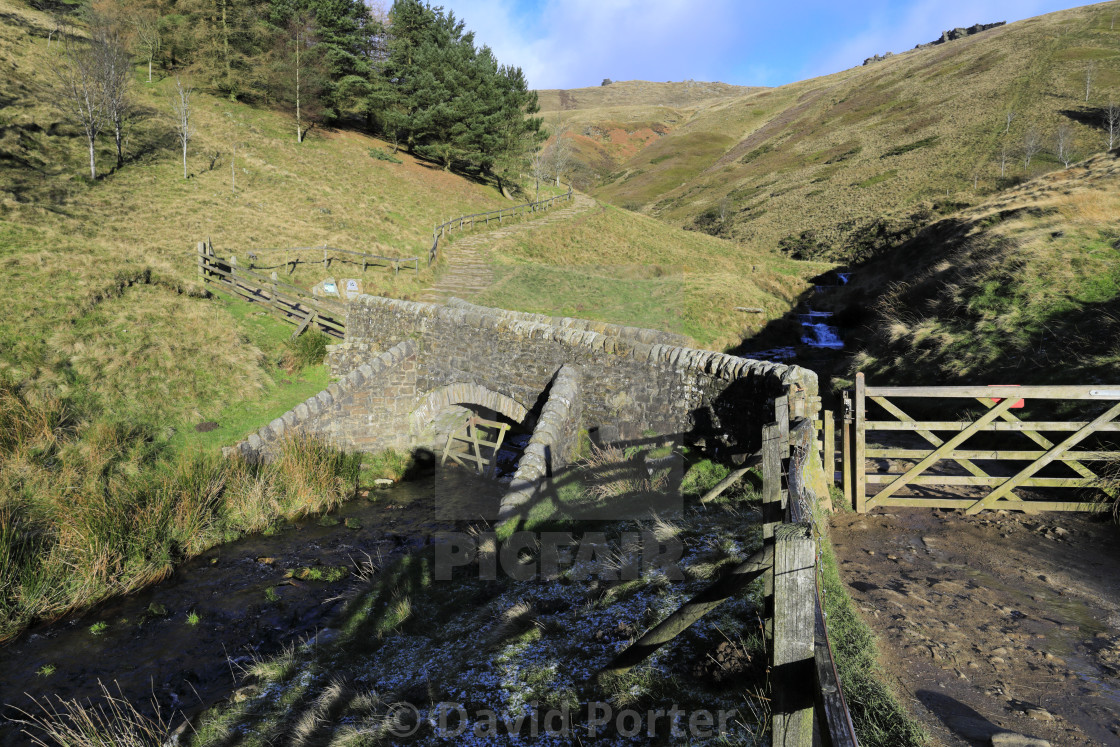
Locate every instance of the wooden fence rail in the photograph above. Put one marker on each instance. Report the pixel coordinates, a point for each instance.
(330, 255)
(470, 221)
(960, 470)
(284, 301)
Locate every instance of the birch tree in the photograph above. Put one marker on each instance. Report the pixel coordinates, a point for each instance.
(1032, 145)
(145, 26)
(114, 66)
(1088, 80)
(181, 111)
(1065, 145)
(79, 95)
(561, 154)
(1112, 122)
(1008, 116)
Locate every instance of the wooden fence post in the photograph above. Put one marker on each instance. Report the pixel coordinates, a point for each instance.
(202, 260)
(771, 507)
(846, 454)
(859, 461)
(794, 667)
(275, 297)
(325, 265)
(233, 272)
(829, 448)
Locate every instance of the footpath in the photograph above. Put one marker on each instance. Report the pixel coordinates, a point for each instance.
(469, 269)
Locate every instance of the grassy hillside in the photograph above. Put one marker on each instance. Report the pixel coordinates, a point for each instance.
(614, 265)
(112, 359)
(827, 165)
(1024, 287)
(608, 125)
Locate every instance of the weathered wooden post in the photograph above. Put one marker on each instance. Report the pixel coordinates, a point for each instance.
(772, 513)
(202, 260)
(861, 445)
(794, 670)
(275, 297)
(846, 456)
(233, 272)
(325, 263)
(829, 448)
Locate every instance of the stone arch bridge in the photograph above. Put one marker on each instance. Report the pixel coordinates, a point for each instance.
(404, 362)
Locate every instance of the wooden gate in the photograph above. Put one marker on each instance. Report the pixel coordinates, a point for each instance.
(468, 447)
(962, 473)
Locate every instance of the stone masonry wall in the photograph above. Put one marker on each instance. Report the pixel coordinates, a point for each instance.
(635, 334)
(367, 410)
(554, 441)
(629, 387)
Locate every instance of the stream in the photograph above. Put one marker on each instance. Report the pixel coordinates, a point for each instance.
(816, 332)
(249, 599)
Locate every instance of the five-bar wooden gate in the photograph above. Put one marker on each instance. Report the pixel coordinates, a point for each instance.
(961, 471)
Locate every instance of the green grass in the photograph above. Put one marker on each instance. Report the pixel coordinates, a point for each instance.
(613, 265)
(112, 352)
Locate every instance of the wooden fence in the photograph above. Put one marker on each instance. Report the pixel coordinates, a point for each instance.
(464, 222)
(805, 684)
(961, 473)
(282, 300)
(330, 255)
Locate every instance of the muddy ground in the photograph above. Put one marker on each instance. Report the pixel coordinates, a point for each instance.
(992, 623)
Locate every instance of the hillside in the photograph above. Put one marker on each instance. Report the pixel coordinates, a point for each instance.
(608, 125)
(826, 166)
(1023, 287)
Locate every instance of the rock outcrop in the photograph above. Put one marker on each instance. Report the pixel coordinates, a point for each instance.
(946, 36)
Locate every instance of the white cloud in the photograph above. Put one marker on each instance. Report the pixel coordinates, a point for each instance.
(572, 43)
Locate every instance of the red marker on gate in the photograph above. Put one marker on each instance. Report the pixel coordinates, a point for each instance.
(1018, 405)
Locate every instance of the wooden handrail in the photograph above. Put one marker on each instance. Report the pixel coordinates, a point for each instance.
(446, 227)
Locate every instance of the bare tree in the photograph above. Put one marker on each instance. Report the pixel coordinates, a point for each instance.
(1088, 80)
(181, 111)
(115, 67)
(234, 144)
(1065, 149)
(1032, 145)
(725, 209)
(560, 154)
(1008, 116)
(1112, 122)
(538, 169)
(298, 71)
(59, 25)
(1004, 156)
(79, 91)
(145, 25)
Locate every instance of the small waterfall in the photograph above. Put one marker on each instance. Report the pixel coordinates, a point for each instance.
(821, 336)
(816, 333)
(844, 277)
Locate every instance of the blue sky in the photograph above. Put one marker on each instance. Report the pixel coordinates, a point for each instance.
(575, 43)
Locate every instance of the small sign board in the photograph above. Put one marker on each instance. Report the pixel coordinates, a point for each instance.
(326, 287)
(352, 286)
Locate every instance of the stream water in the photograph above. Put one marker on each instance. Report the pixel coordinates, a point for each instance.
(816, 331)
(247, 601)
